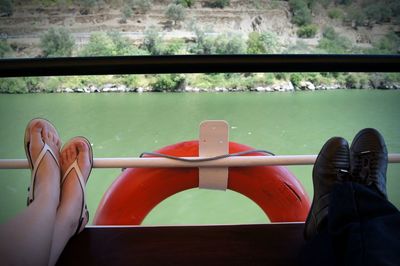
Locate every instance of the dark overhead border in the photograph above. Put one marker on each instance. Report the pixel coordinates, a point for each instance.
(197, 64)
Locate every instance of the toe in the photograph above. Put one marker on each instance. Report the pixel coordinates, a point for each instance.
(83, 151)
(69, 154)
(84, 156)
(73, 152)
(36, 132)
(58, 143)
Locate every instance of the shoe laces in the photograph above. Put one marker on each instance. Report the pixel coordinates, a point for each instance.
(342, 175)
(366, 167)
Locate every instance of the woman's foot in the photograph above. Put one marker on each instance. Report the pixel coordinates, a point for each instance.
(76, 164)
(46, 175)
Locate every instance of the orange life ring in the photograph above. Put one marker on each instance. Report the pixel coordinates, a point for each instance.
(138, 190)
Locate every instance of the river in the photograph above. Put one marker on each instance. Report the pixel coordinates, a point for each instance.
(123, 125)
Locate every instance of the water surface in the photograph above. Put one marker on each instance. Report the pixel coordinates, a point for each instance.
(122, 125)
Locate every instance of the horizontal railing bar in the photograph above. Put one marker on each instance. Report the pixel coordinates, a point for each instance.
(154, 162)
(24, 67)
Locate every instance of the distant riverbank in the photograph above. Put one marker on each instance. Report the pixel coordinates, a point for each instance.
(221, 82)
(279, 87)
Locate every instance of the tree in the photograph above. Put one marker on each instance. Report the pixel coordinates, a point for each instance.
(175, 12)
(6, 7)
(301, 12)
(57, 42)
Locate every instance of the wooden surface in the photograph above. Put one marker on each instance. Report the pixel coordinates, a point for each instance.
(268, 244)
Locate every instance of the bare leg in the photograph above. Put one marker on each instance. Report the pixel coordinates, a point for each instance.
(26, 239)
(69, 210)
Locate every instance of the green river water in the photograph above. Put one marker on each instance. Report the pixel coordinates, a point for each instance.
(123, 125)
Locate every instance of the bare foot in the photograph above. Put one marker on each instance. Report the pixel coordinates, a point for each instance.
(72, 192)
(47, 181)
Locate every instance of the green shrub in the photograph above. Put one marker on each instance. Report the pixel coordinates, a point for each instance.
(389, 44)
(300, 47)
(262, 43)
(269, 78)
(329, 33)
(395, 8)
(123, 46)
(357, 15)
(307, 31)
(174, 47)
(87, 6)
(126, 14)
(333, 43)
(168, 82)
(109, 44)
(13, 85)
(4, 48)
(130, 81)
(141, 5)
(230, 44)
(296, 78)
(204, 44)
(175, 12)
(153, 41)
(335, 13)
(218, 3)
(57, 42)
(325, 3)
(344, 2)
(301, 14)
(255, 45)
(352, 81)
(6, 7)
(379, 12)
(185, 3)
(100, 44)
(282, 76)
(256, 4)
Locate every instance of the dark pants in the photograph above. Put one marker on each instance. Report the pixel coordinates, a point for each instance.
(362, 228)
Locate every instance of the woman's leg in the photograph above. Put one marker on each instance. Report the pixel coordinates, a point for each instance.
(70, 209)
(26, 239)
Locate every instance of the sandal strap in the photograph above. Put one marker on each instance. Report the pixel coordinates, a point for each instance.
(75, 166)
(46, 148)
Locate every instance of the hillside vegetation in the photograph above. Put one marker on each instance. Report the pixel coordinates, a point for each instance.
(49, 28)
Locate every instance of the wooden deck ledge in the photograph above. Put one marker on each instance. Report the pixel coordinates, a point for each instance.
(259, 244)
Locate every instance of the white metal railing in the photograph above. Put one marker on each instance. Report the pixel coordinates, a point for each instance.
(154, 162)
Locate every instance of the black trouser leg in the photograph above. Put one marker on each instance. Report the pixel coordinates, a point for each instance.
(362, 228)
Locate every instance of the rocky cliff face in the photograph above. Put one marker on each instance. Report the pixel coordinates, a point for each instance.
(29, 21)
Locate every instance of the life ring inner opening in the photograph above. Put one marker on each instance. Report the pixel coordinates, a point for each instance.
(137, 191)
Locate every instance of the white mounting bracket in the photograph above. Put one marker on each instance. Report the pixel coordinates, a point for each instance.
(213, 141)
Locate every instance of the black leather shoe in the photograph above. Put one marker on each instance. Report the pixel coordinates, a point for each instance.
(369, 159)
(331, 167)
